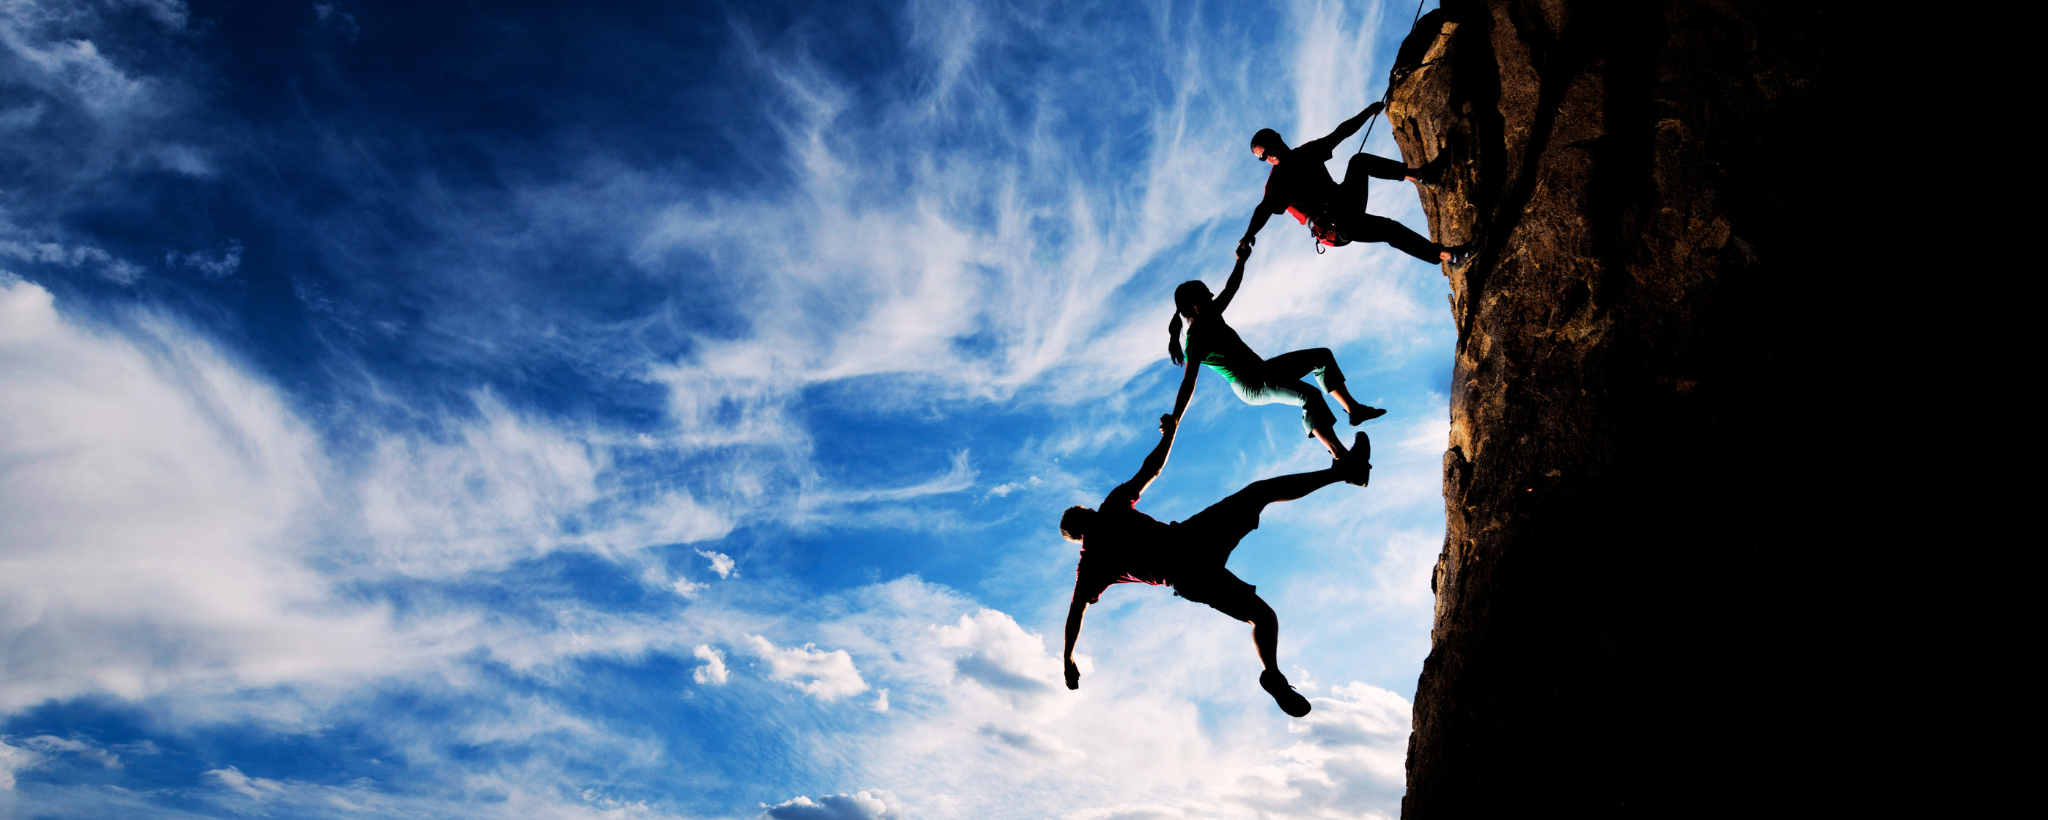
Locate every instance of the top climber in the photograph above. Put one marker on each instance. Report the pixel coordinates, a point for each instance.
(1300, 184)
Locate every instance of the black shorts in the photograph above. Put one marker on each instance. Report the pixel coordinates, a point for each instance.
(1222, 590)
(1209, 537)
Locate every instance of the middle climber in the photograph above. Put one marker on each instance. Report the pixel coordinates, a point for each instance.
(1300, 184)
(1212, 342)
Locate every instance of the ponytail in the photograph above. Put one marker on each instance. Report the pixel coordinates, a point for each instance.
(1173, 340)
(1190, 293)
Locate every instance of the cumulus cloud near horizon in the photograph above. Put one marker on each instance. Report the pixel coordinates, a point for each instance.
(870, 804)
(977, 711)
(825, 675)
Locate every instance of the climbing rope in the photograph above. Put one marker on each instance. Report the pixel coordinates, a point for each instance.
(1388, 95)
(1390, 86)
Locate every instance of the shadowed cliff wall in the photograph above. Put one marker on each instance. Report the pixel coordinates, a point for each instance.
(1622, 617)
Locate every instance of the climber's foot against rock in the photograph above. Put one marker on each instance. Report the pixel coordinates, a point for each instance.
(1290, 701)
(1431, 174)
(1460, 256)
(1364, 413)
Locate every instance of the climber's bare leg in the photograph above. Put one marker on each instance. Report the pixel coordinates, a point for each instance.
(1344, 400)
(1328, 437)
(1266, 635)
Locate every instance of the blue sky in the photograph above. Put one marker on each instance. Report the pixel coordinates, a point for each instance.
(664, 411)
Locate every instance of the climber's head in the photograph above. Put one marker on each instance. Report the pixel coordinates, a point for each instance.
(1268, 146)
(1191, 298)
(1074, 523)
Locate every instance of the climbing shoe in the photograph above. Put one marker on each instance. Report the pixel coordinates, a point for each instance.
(1365, 413)
(1290, 701)
(1357, 464)
(1431, 174)
(1462, 255)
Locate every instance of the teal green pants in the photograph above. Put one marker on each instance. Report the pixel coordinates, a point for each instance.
(1278, 381)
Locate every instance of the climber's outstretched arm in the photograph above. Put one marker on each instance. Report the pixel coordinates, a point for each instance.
(1236, 278)
(1251, 231)
(1187, 390)
(1074, 613)
(1128, 492)
(1328, 144)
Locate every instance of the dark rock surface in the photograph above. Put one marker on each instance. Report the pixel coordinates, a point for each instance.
(1625, 617)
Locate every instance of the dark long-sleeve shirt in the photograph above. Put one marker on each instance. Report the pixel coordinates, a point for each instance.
(1301, 184)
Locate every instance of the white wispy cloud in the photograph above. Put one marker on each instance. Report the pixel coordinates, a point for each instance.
(52, 745)
(824, 502)
(336, 19)
(1029, 741)
(72, 256)
(14, 759)
(505, 487)
(862, 286)
(147, 490)
(149, 487)
(499, 795)
(53, 46)
(76, 67)
(214, 264)
(254, 788)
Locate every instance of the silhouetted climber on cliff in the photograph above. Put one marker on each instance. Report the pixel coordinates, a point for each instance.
(1258, 381)
(1299, 184)
(1120, 545)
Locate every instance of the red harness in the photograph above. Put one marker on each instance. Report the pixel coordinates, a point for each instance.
(1319, 228)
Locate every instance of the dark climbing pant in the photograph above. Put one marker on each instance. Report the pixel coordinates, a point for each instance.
(1278, 381)
(1358, 226)
(1206, 540)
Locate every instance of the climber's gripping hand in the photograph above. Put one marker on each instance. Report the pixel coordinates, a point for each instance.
(1372, 110)
(1073, 675)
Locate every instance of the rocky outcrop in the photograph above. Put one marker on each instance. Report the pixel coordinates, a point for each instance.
(1629, 482)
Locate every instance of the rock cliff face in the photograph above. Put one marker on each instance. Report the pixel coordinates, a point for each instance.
(1618, 613)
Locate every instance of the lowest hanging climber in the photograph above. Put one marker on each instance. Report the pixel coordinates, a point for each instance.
(1300, 184)
(1120, 545)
